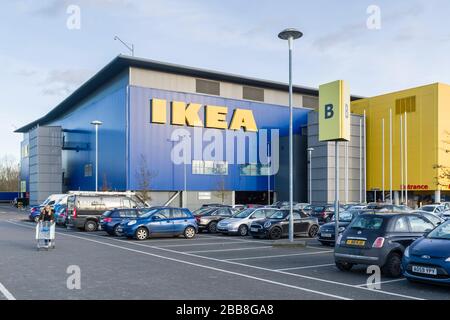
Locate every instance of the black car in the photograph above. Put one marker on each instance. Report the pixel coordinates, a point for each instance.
(327, 233)
(324, 213)
(379, 239)
(277, 225)
(207, 218)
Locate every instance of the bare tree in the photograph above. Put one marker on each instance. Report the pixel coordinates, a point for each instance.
(221, 189)
(9, 174)
(144, 177)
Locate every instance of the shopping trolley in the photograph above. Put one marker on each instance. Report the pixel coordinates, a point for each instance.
(45, 235)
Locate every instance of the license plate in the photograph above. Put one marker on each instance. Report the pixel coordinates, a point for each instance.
(327, 235)
(424, 270)
(359, 243)
(254, 229)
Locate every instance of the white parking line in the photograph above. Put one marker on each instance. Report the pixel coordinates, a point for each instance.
(279, 256)
(380, 282)
(8, 295)
(307, 267)
(239, 264)
(196, 264)
(225, 250)
(200, 244)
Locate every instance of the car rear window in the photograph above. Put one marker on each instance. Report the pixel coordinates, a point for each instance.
(367, 223)
(319, 209)
(107, 213)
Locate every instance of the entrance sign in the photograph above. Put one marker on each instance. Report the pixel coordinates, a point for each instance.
(334, 111)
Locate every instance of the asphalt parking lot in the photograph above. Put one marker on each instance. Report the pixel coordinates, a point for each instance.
(208, 267)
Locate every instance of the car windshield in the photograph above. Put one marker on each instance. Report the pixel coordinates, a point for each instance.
(244, 214)
(367, 223)
(279, 215)
(345, 216)
(319, 209)
(427, 208)
(441, 232)
(107, 213)
(308, 207)
(148, 213)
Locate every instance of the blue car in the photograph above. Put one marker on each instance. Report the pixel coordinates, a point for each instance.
(110, 220)
(160, 221)
(428, 258)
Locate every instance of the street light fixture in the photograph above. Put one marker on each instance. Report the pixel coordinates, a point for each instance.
(129, 46)
(290, 34)
(310, 150)
(96, 123)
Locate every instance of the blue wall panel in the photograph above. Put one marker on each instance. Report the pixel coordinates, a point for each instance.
(153, 141)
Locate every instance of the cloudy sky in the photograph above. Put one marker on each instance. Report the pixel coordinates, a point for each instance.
(42, 61)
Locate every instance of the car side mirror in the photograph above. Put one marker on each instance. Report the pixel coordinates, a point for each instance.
(155, 218)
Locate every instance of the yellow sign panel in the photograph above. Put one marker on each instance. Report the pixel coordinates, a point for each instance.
(215, 116)
(334, 111)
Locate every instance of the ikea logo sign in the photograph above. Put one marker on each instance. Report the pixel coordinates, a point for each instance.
(182, 113)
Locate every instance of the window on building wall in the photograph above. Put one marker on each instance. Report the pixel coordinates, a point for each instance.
(207, 87)
(25, 152)
(251, 93)
(254, 169)
(210, 167)
(88, 170)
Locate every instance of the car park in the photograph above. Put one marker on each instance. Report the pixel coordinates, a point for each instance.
(84, 210)
(428, 258)
(240, 223)
(207, 220)
(111, 219)
(276, 226)
(379, 239)
(324, 213)
(327, 231)
(160, 221)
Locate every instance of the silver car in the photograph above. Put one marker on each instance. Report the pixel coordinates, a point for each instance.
(240, 223)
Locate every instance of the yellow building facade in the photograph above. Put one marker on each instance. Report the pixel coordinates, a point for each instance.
(420, 136)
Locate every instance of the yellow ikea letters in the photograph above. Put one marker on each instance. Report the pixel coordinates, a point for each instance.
(215, 116)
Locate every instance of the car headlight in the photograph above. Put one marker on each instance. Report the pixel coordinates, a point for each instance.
(267, 224)
(448, 259)
(132, 222)
(406, 253)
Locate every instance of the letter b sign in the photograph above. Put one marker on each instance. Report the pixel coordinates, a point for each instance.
(329, 113)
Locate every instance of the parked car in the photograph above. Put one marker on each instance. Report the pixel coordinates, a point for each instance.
(436, 209)
(379, 239)
(276, 226)
(324, 213)
(297, 206)
(35, 211)
(84, 210)
(388, 207)
(435, 219)
(208, 219)
(428, 258)
(240, 223)
(160, 221)
(60, 208)
(327, 233)
(111, 219)
(281, 204)
(446, 215)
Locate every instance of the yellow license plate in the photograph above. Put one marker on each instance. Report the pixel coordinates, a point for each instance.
(356, 242)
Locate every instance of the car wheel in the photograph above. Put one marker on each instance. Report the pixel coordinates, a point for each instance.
(90, 226)
(141, 233)
(392, 267)
(343, 266)
(115, 232)
(212, 227)
(313, 230)
(243, 230)
(275, 234)
(189, 232)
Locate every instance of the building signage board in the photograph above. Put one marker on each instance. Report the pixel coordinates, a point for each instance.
(334, 111)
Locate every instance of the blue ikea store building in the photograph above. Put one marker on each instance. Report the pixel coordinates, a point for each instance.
(135, 152)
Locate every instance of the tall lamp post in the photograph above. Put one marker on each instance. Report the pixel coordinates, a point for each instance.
(310, 150)
(97, 124)
(290, 34)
